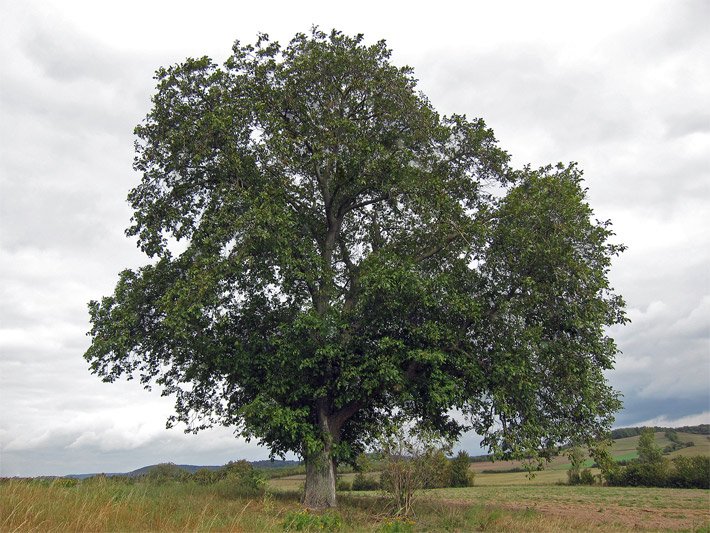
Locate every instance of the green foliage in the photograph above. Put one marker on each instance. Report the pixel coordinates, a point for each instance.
(586, 477)
(364, 482)
(397, 525)
(649, 452)
(306, 520)
(205, 476)
(342, 259)
(240, 480)
(344, 485)
(690, 472)
(166, 473)
(642, 475)
(681, 472)
(413, 459)
(577, 457)
(651, 469)
(675, 444)
(461, 474)
(436, 470)
(621, 433)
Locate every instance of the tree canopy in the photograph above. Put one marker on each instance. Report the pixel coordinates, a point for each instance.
(327, 252)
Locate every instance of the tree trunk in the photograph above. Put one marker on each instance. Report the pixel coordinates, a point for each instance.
(320, 480)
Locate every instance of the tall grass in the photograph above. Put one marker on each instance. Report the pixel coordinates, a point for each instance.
(106, 504)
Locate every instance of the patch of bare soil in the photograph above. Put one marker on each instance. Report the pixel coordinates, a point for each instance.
(616, 517)
(626, 518)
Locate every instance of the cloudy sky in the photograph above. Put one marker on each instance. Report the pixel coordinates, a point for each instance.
(620, 87)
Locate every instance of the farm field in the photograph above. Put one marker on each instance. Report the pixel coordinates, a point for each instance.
(113, 506)
(501, 500)
(621, 449)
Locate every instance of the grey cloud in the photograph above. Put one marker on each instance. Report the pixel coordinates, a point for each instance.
(59, 457)
(628, 107)
(64, 54)
(684, 26)
(665, 355)
(637, 410)
(682, 123)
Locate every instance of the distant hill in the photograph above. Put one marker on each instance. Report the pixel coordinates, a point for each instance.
(625, 433)
(262, 464)
(616, 434)
(622, 433)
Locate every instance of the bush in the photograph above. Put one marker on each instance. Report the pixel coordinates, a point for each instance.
(435, 470)
(681, 472)
(397, 525)
(363, 482)
(576, 457)
(649, 452)
(240, 480)
(343, 484)
(690, 472)
(586, 477)
(166, 473)
(205, 476)
(461, 474)
(639, 474)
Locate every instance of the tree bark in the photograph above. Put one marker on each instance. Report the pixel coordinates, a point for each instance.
(320, 480)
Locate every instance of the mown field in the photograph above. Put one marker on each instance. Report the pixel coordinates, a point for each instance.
(111, 506)
(501, 501)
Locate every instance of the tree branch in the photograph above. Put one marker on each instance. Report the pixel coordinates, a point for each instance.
(345, 413)
(435, 249)
(346, 208)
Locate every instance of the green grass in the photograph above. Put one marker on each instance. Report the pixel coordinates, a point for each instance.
(621, 450)
(109, 505)
(505, 501)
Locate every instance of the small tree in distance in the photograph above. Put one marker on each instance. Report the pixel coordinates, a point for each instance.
(461, 473)
(649, 452)
(412, 460)
(348, 254)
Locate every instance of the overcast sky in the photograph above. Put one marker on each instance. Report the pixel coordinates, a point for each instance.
(623, 88)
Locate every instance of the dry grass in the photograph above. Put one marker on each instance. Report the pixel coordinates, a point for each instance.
(108, 505)
(111, 506)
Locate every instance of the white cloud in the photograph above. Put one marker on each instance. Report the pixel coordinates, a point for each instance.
(619, 87)
(689, 420)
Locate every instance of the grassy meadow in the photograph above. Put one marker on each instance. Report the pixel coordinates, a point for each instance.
(499, 501)
(534, 506)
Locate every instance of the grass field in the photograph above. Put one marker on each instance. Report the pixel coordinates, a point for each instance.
(503, 501)
(110, 506)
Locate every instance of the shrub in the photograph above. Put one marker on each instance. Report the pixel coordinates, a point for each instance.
(690, 472)
(586, 477)
(344, 484)
(411, 461)
(642, 475)
(435, 469)
(397, 525)
(576, 457)
(240, 480)
(649, 451)
(237, 468)
(364, 482)
(461, 474)
(305, 520)
(166, 473)
(205, 476)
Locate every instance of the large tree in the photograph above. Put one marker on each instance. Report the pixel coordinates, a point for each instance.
(327, 251)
